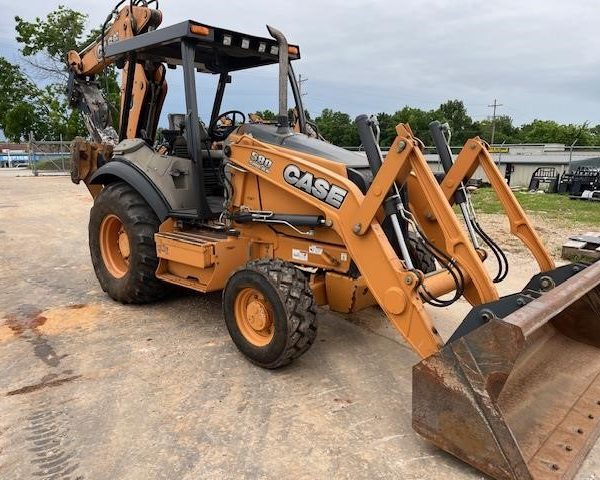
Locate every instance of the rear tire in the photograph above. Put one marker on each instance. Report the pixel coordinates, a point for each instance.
(270, 312)
(121, 238)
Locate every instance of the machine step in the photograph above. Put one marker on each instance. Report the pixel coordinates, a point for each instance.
(200, 259)
(193, 249)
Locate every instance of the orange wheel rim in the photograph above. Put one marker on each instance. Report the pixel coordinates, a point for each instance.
(114, 246)
(254, 317)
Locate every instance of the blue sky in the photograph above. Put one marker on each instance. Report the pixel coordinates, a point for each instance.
(540, 59)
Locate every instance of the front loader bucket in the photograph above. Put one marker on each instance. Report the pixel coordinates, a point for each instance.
(519, 398)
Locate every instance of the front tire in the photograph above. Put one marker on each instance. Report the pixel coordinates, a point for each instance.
(270, 312)
(121, 238)
(422, 258)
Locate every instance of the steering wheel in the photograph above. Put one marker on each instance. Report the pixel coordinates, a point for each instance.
(218, 133)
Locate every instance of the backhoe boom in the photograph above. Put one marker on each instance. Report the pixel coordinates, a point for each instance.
(83, 89)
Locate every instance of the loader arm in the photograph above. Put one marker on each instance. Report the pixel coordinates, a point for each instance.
(474, 154)
(431, 209)
(356, 221)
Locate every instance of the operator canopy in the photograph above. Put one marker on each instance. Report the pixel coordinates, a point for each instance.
(216, 50)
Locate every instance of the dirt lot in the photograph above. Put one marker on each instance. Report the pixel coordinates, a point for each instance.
(93, 389)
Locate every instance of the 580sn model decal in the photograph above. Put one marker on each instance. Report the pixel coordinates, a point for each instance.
(317, 187)
(260, 161)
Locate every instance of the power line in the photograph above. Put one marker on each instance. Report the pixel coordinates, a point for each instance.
(494, 106)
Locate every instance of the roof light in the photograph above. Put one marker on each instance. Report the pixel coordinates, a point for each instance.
(274, 50)
(200, 30)
(227, 40)
(262, 47)
(292, 50)
(245, 43)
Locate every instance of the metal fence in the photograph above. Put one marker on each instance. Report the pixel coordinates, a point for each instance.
(49, 157)
(42, 157)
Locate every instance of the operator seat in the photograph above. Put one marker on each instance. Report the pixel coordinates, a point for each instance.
(211, 159)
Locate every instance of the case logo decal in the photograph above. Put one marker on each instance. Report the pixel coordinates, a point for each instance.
(317, 187)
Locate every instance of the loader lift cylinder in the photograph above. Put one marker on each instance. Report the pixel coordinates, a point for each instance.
(460, 197)
(367, 138)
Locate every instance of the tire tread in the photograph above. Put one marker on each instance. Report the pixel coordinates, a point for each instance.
(141, 286)
(297, 300)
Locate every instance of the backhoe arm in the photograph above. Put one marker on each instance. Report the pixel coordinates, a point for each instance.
(83, 89)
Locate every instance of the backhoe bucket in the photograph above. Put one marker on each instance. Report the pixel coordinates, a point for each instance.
(519, 397)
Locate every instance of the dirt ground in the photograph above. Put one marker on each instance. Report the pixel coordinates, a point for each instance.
(93, 389)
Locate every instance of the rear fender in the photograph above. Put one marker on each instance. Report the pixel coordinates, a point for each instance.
(120, 169)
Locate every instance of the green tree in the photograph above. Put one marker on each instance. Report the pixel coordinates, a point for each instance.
(266, 115)
(461, 124)
(59, 119)
(549, 131)
(45, 43)
(506, 132)
(20, 120)
(338, 128)
(418, 120)
(595, 135)
(15, 90)
(387, 128)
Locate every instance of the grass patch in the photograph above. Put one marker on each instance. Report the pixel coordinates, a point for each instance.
(55, 164)
(550, 205)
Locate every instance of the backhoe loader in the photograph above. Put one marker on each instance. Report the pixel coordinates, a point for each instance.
(282, 222)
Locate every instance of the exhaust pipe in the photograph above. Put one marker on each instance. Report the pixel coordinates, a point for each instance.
(282, 118)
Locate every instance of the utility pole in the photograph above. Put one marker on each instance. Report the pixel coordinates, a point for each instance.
(494, 106)
(300, 82)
